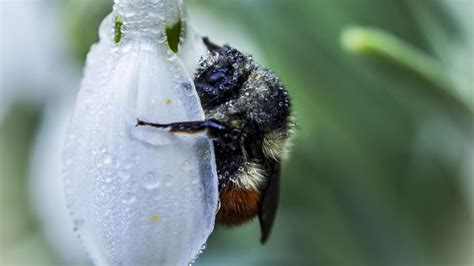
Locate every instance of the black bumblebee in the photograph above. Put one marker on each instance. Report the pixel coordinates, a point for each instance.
(248, 116)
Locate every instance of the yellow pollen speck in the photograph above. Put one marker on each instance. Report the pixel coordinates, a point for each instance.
(168, 101)
(155, 218)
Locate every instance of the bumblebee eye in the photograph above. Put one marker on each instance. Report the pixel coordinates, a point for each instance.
(216, 85)
(219, 76)
(216, 77)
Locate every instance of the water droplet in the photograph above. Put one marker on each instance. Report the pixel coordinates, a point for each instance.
(151, 180)
(201, 250)
(124, 175)
(105, 159)
(205, 155)
(194, 180)
(129, 198)
(186, 166)
(78, 223)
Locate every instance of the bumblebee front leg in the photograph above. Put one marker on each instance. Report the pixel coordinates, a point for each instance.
(214, 129)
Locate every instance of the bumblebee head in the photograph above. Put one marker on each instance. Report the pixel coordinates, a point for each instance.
(221, 75)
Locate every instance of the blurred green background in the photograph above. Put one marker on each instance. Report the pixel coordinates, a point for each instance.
(381, 170)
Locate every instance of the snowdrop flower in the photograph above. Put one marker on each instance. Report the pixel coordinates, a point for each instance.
(137, 195)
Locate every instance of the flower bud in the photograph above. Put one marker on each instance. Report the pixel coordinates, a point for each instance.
(139, 195)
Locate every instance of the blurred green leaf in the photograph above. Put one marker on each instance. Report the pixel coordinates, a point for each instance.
(360, 40)
(82, 19)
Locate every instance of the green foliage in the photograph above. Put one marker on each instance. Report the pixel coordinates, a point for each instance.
(82, 20)
(369, 41)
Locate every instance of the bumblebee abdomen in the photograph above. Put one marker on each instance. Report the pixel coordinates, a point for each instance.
(237, 206)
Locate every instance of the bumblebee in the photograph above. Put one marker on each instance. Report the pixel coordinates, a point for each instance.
(248, 117)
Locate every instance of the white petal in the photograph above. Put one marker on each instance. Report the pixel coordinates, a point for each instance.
(47, 186)
(138, 196)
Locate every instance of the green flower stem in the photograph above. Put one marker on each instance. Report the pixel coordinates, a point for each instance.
(363, 40)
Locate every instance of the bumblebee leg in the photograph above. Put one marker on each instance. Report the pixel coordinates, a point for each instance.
(214, 129)
(210, 45)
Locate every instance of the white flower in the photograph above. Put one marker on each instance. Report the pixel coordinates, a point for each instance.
(137, 195)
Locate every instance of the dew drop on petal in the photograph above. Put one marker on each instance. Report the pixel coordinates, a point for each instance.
(124, 175)
(195, 180)
(186, 166)
(78, 223)
(150, 180)
(128, 198)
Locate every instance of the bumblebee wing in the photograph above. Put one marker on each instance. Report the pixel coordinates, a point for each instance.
(269, 202)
